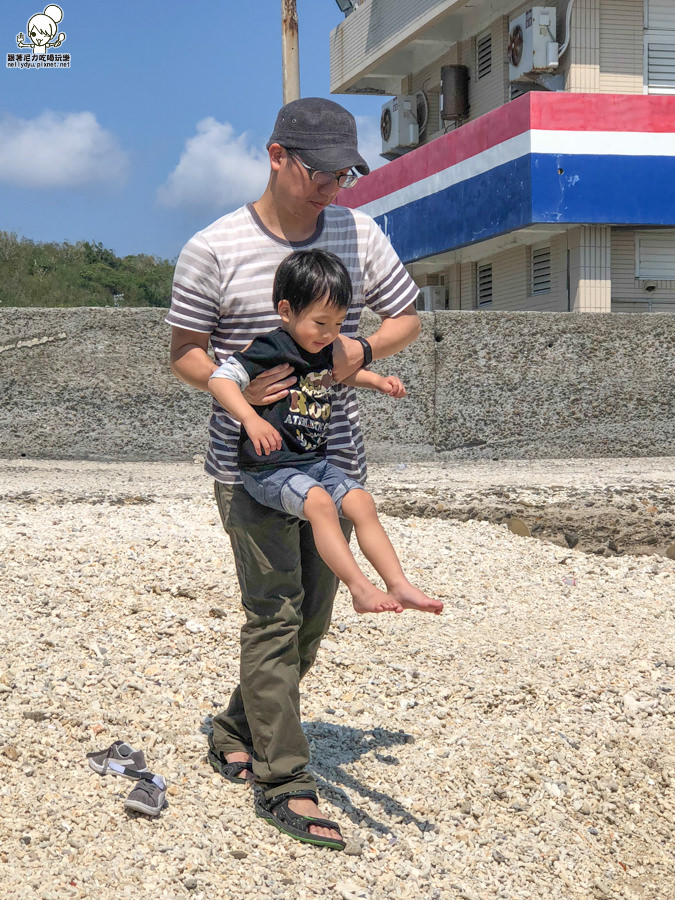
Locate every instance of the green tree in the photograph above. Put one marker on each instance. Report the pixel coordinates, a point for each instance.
(81, 274)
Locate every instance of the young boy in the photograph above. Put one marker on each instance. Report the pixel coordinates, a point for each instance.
(282, 448)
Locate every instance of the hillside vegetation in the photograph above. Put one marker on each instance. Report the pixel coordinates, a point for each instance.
(81, 274)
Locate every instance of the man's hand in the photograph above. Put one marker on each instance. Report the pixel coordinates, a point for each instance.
(392, 386)
(271, 386)
(347, 357)
(264, 437)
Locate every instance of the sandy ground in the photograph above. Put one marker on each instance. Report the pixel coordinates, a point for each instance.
(518, 746)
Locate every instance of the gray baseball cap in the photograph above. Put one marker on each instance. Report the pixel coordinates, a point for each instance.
(323, 133)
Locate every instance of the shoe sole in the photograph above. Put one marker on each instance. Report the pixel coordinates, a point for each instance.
(305, 837)
(102, 769)
(143, 808)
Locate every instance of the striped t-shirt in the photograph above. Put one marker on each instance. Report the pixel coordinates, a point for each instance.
(223, 287)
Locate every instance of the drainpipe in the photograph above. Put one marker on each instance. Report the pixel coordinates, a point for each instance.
(290, 62)
(568, 21)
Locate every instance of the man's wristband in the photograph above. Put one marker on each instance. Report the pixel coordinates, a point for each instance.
(367, 351)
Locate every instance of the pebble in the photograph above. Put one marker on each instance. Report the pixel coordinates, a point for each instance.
(519, 526)
(353, 848)
(478, 754)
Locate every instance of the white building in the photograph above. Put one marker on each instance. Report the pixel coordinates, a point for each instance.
(532, 148)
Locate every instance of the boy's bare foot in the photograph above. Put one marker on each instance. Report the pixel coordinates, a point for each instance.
(306, 807)
(369, 599)
(410, 597)
(240, 756)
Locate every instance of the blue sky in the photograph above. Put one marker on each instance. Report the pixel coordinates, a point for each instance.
(160, 123)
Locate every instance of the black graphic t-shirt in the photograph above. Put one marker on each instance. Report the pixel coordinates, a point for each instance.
(302, 417)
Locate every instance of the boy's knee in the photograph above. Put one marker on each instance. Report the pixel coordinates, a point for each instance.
(359, 501)
(319, 502)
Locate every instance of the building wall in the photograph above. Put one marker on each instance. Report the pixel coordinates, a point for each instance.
(428, 79)
(621, 57)
(491, 91)
(512, 280)
(606, 55)
(376, 28)
(512, 287)
(583, 75)
(467, 286)
(590, 269)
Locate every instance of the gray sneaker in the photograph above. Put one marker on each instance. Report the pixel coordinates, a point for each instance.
(148, 795)
(119, 758)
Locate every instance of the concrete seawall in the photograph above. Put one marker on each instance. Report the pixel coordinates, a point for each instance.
(94, 383)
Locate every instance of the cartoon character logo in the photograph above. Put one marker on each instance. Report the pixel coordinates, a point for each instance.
(317, 384)
(309, 408)
(42, 31)
(313, 395)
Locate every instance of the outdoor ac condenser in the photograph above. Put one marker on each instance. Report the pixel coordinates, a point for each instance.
(398, 126)
(532, 43)
(431, 297)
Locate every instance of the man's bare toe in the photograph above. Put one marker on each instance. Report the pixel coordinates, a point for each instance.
(306, 807)
(243, 758)
(325, 833)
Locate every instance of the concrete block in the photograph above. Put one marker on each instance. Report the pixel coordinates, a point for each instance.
(95, 383)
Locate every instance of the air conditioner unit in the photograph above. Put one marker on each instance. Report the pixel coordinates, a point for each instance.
(532, 43)
(431, 297)
(398, 126)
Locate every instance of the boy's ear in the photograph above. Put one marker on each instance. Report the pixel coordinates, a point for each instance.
(284, 310)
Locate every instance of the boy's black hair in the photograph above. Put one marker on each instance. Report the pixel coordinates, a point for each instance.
(309, 275)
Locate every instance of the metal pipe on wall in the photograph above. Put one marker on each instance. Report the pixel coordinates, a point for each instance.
(290, 59)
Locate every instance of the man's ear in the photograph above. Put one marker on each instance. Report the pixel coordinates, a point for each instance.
(284, 310)
(277, 156)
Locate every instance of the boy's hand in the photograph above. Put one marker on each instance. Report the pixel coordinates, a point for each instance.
(264, 437)
(393, 386)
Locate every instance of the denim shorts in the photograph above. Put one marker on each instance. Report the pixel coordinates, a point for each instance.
(286, 488)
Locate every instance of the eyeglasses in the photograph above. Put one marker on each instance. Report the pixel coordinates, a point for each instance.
(324, 178)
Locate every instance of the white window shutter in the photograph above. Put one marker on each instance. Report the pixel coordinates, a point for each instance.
(484, 55)
(541, 270)
(655, 256)
(484, 284)
(661, 14)
(660, 64)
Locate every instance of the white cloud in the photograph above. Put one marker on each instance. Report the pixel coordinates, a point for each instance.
(370, 142)
(59, 150)
(217, 170)
(220, 170)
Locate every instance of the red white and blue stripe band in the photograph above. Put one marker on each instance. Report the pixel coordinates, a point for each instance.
(543, 158)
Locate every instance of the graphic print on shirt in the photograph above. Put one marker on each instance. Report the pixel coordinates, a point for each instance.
(309, 408)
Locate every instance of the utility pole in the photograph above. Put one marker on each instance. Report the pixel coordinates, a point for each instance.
(290, 61)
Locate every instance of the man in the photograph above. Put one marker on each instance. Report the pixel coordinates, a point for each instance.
(222, 296)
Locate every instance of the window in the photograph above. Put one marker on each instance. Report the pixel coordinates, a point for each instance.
(541, 270)
(660, 47)
(483, 55)
(484, 285)
(655, 255)
(660, 60)
(660, 14)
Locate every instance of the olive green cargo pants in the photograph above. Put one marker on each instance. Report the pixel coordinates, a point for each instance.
(287, 592)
